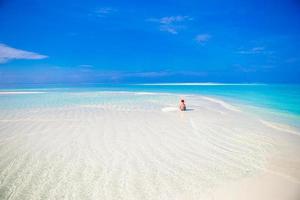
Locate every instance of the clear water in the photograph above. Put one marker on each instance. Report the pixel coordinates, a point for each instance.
(279, 102)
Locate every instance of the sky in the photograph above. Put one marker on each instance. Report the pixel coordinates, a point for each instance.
(134, 41)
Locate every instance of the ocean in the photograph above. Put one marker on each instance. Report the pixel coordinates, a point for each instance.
(131, 141)
(279, 102)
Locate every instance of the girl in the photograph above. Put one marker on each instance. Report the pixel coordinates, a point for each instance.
(182, 106)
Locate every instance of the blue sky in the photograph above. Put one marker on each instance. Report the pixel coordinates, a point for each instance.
(51, 41)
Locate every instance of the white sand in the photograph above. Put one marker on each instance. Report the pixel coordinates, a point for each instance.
(146, 151)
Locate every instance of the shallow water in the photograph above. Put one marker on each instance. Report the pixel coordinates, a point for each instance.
(277, 102)
(96, 144)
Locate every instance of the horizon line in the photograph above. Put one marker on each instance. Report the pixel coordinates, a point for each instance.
(200, 83)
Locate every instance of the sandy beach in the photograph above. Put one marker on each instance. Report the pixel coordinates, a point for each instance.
(145, 149)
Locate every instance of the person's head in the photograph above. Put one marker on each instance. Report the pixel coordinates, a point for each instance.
(182, 101)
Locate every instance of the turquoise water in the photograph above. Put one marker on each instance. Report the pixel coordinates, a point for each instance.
(277, 101)
(284, 98)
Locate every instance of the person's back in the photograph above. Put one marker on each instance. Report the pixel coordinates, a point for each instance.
(182, 105)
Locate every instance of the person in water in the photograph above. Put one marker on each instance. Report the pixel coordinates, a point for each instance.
(182, 105)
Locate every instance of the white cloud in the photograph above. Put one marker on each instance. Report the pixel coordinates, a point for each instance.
(173, 19)
(86, 66)
(170, 29)
(171, 24)
(104, 11)
(202, 38)
(255, 50)
(8, 53)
